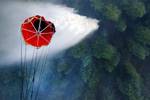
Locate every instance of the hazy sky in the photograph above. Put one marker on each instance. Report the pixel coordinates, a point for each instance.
(70, 27)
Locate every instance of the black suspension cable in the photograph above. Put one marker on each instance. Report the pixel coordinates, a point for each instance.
(40, 65)
(29, 74)
(22, 73)
(39, 61)
(33, 78)
(41, 71)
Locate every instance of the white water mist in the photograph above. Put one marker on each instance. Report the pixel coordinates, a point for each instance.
(71, 27)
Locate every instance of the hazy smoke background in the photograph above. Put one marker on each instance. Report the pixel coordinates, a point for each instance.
(70, 27)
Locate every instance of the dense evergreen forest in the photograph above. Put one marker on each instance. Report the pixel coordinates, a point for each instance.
(114, 62)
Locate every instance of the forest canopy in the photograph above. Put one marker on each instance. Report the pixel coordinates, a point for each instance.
(117, 51)
(113, 63)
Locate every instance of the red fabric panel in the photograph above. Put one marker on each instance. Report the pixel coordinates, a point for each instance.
(35, 37)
